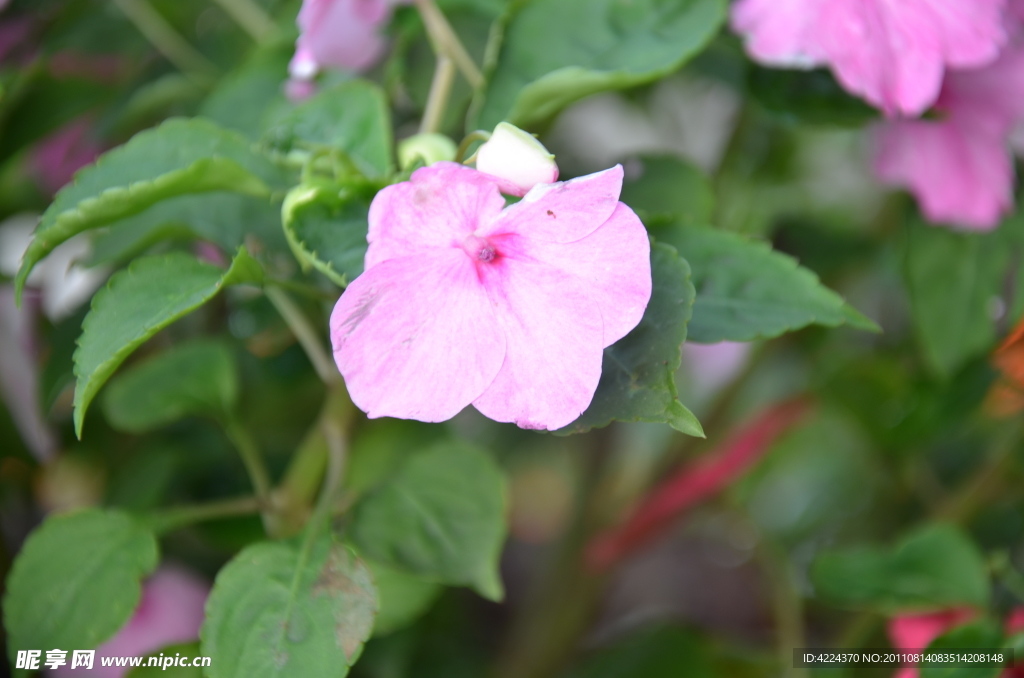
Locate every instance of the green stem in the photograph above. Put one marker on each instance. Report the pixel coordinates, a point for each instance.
(181, 516)
(437, 100)
(306, 290)
(478, 135)
(251, 18)
(167, 41)
(253, 460)
(307, 336)
(1007, 574)
(962, 505)
(786, 605)
(445, 41)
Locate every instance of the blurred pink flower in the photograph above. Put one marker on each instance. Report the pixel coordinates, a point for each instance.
(340, 34)
(102, 68)
(892, 54)
(467, 301)
(712, 366)
(917, 631)
(56, 158)
(959, 167)
(169, 613)
(19, 373)
(15, 33)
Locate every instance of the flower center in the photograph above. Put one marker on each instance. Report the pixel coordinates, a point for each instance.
(479, 249)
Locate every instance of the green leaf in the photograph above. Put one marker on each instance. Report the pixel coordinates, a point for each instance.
(747, 291)
(953, 279)
(353, 117)
(275, 612)
(222, 218)
(812, 97)
(198, 378)
(77, 580)
(590, 46)
(326, 230)
(140, 301)
(976, 636)
(660, 652)
(442, 517)
(638, 374)
(178, 157)
(190, 650)
(933, 568)
(670, 189)
(247, 99)
(797, 494)
(403, 598)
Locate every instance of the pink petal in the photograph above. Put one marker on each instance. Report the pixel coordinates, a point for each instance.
(563, 211)
(614, 262)
(554, 348)
(991, 97)
(439, 205)
(960, 176)
(416, 337)
(343, 33)
(1015, 621)
(917, 631)
(777, 31)
(893, 54)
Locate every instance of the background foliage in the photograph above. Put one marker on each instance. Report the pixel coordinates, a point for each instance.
(185, 413)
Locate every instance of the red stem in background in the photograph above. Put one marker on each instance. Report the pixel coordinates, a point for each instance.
(695, 482)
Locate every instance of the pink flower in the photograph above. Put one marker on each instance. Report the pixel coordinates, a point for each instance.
(712, 366)
(339, 34)
(170, 612)
(917, 631)
(466, 301)
(893, 54)
(57, 157)
(959, 166)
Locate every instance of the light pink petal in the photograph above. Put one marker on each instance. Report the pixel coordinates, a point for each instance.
(959, 175)
(563, 211)
(777, 31)
(991, 97)
(343, 33)
(614, 262)
(416, 337)
(971, 31)
(892, 59)
(892, 53)
(554, 344)
(439, 206)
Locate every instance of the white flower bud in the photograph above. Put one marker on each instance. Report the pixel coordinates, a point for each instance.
(518, 158)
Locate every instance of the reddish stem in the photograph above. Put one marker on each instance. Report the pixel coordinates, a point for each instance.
(695, 482)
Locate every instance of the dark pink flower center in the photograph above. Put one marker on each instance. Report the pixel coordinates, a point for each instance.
(479, 249)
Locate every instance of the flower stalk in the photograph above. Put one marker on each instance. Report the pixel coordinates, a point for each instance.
(166, 40)
(251, 18)
(446, 43)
